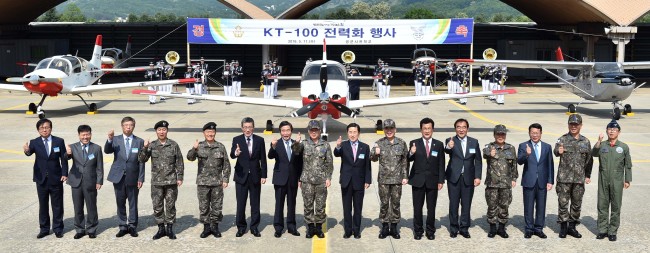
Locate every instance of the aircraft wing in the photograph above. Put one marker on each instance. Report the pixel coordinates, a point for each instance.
(130, 69)
(293, 104)
(117, 86)
(286, 77)
(636, 65)
(362, 77)
(354, 104)
(12, 87)
(531, 64)
(396, 69)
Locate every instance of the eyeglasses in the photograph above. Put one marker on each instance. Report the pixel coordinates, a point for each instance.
(247, 127)
(44, 128)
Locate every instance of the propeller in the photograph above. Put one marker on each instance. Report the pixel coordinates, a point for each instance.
(34, 79)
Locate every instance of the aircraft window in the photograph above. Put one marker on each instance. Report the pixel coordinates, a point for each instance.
(44, 63)
(333, 73)
(60, 64)
(607, 67)
(76, 64)
(423, 53)
(110, 53)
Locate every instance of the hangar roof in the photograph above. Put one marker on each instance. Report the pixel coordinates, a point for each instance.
(24, 11)
(572, 12)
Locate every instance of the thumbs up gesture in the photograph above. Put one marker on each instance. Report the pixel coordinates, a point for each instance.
(68, 149)
(377, 149)
(26, 147)
(413, 148)
(196, 144)
(338, 142)
(561, 148)
(146, 143)
(600, 137)
(450, 144)
(274, 142)
(237, 150)
(493, 151)
(528, 150)
(111, 134)
(299, 138)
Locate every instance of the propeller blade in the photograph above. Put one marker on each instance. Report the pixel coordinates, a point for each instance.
(22, 80)
(344, 109)
(323, 76)
(305, 109)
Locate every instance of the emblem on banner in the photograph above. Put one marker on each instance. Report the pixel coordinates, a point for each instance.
(238, 32)
(462, 30)
(198, 30)
(418, 32)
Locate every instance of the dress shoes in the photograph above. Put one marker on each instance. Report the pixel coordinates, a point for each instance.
(240, 233)
(256, 233)
(347, 235)
(453, 234)
(540, 234)
(601, 236)
(121, 233)
(357, 235)
(133, 232)
(59, 235)
(417, 236)
(42, 234)
(528, 235)
(92, 236)
(431, 236)
(465, 234)
(293, 232)
(612, 238)
(277, 234)
(78, 235)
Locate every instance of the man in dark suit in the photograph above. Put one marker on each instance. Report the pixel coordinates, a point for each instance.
(463, 175)
(355, 178)
(537, 179)
(86, 177)
(126, 174)
(286, 173)
(250, 174)
(426, 177)
(50, 171)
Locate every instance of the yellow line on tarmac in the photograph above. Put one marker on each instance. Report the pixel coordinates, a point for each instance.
(12, 152)
(320, 245)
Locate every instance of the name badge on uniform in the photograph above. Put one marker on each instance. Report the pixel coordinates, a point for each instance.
(472, 151)
(56, 150)
(434, 153)
(619, 150)
(134, 150)
(604, 150)
(91, 156)
(362, 156)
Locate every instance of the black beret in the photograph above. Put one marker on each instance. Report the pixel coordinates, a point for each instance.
(210, 125)
(161, 123)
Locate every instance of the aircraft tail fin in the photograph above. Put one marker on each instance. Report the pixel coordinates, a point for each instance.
(96, 60)
(560, 57)
(127, 50)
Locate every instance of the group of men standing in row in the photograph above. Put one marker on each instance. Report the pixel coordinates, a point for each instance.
(308, 165)
(269, 79)
(493, 77)
(232, 76)
(382, 75)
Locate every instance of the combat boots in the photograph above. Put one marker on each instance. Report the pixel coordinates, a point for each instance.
(563, 229)
(310, 230)
(215, 230)
(160, 233)
(206, 231)
(502, 230)
(384, 231)
(170, 231)
(572, 230)
(493, 230)
(394, 232)
(319, 230)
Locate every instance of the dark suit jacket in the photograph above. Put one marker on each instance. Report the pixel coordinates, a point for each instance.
(255, 163)
(536, 173)
(357, 173)
(131, 168)
(425, 171)
(286, 171)
(55, 165)
(473, 162)
(86, 171)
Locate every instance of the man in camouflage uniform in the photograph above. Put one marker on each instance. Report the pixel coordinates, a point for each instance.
(212, 177)
(391, 152)
(573, 172)
(501, 177)
(166, 176)
(316, 177)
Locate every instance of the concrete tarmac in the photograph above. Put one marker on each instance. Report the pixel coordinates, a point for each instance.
(545, 105)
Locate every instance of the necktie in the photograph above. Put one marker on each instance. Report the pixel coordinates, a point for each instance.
(287, 145)
(428, 149)
(463, 146)
(536, 151)
(250, 147)
(47, 147)
(128, 147)
(354, 151)
(84, 152)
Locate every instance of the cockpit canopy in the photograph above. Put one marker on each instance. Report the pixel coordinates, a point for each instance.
(334, 72)
(607, 67)
(113, 53)
(67, 64)
(423, 52)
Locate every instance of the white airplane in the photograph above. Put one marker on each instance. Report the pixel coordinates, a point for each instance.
(67, 74)
(115, 57)
(596, 81)
(324, 92)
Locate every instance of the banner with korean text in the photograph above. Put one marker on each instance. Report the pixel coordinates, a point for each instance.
(336, 32)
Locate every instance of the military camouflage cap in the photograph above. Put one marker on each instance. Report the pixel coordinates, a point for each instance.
(575, 119)
(210, 125)
(614, 124)
(161, 123)
(389, 123)
(313, 124)
(500, 129)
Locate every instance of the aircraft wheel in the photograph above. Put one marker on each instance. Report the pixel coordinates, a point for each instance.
(41, 116)
(323, 137)
(572, 108)
(627, 109)
(616, 113)
(92, 107)
(32, 107)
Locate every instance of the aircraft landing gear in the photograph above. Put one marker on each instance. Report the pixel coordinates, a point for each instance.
(571, 108)
(32, 108)
(627, 110)
(37, 109)
(616, 113)
(92, 107)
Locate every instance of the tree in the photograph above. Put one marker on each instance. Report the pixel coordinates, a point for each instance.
(339, 14)
(72, 13)
(132, 18)
(49, 16)
(417, 13)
